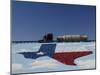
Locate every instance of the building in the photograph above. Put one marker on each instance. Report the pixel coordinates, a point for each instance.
(72, 38)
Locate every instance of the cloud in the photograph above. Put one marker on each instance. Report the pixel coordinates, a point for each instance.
(16, 66)
(44, 64)
(24, 0)
(25, 50)
(86, 64)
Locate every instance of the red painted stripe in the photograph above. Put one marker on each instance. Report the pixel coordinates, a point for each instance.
(69, 57)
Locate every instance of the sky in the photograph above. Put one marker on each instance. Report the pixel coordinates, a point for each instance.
(31, 20)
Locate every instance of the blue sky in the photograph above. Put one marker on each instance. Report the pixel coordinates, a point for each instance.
(31, 20)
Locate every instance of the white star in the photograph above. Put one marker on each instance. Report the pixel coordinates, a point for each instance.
(40, 53)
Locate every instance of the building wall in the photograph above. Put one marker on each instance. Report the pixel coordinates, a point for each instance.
(72, 38)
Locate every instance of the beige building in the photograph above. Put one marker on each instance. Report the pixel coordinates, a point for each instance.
(72, 38)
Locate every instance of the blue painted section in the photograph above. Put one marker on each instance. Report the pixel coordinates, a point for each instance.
(45, 50)
(30, 55)
(48, 49)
